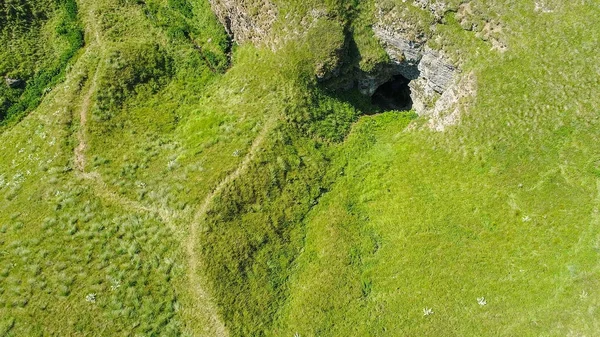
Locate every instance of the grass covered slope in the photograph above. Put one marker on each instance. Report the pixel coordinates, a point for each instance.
(39, 39)
(169, 188)
(74, 262)
(503, 207)
(79, 255)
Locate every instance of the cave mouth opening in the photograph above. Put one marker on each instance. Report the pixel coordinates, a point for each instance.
(393, 94)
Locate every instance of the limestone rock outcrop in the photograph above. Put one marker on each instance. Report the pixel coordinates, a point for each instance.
(13, 82)
(435, 82)
(430, 72)
(437, 85)
(246, 20)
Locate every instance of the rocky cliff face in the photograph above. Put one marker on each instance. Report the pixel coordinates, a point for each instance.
(246, 20)
(435, 81)
(431, 73)
(437, 85)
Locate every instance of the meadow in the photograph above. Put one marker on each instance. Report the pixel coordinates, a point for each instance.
(157, 180)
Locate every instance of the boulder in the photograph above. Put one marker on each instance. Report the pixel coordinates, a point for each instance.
(14, 82)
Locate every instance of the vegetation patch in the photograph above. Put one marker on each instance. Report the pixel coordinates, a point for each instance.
(41, 38)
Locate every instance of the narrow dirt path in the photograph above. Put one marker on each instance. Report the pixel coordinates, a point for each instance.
(99, 186)
(87, 99)
(83, 114)
(194, 263)
(202, 302)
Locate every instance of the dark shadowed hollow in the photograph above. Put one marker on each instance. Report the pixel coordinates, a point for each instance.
(393, 95)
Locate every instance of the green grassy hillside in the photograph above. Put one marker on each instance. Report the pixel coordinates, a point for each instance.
(39, 38)
(157, 181)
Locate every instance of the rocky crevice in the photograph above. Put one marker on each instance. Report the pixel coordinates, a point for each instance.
(437, 85)
(430, 73)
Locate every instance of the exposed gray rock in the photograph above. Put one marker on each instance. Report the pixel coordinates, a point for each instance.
(437, 86)
(437, 7)
(405, 48)
(400, 48)
(450, 106)
(429, 71)
(436, 77)
(246, 20)
(368, 83)
(436, 70)
(13, 82)
(405, 55)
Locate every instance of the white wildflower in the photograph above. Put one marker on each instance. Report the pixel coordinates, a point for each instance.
(236, 153)
(427, 311)
(90, 298)
(481, 301)
(18, 178)
(541, 6)
(115, 284)
(40, 133)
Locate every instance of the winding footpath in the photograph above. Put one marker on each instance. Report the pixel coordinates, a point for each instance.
(194, 262)
(83, 113)
(202, 303)
(99, 186)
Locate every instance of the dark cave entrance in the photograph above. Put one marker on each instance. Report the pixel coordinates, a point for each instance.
(393, 94)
